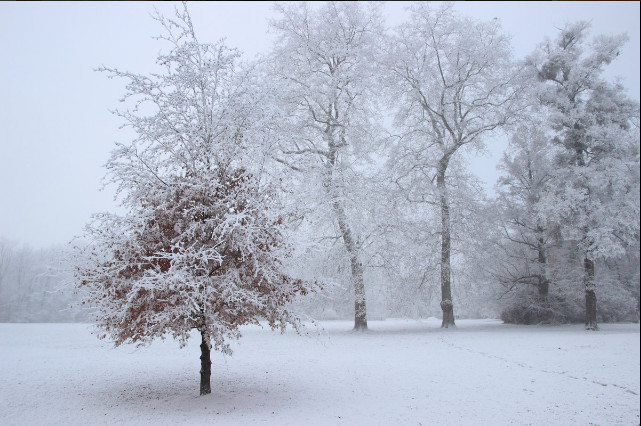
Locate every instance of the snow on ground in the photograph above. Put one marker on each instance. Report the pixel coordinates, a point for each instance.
(402, 372)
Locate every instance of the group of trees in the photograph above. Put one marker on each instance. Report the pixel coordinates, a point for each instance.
(338, 158)
(570, 191)
(398, 196)
(34, 285)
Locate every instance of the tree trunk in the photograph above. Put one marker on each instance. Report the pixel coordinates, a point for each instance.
(447, 306)
(544, 305)
(544, 283)
(205, 364)
(590, 295)
(360, 308)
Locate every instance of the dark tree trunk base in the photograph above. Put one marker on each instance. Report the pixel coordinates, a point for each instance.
(590, 296)
(448, 324)
(448, 314)
(360, 324)
(360, 313)
(205, 366)
(590, 311)
(544, 304)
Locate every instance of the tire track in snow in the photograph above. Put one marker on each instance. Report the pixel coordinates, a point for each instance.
(531, 367)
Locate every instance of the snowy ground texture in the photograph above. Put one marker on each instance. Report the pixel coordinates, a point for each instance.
(401, 372)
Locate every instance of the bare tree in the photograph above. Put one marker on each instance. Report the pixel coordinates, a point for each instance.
(322, 67)
(454, 83)
(526, 236)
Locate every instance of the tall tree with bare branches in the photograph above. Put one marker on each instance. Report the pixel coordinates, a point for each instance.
(454, 83)
(322, 68)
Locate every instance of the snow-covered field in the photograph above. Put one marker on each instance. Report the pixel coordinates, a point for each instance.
(402, 372)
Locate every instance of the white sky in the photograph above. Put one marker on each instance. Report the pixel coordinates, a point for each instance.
(55, 129)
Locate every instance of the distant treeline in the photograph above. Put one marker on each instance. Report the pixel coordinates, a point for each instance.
(35, 285)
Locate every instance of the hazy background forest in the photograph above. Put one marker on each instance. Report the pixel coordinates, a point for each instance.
(34, 288)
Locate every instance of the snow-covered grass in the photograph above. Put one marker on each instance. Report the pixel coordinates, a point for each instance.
(400, 373)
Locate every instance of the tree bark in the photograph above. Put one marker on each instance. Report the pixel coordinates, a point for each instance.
(205, 364)
(544, 289)
(544, 283)
(447, 306)
(590, 295)
(360, 308)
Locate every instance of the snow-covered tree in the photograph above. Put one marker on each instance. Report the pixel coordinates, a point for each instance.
(322, 69)
(453, 82)
(594, 194)
(526, 236)
(203, 239)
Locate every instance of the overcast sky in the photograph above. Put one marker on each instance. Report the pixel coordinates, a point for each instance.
(55, 129)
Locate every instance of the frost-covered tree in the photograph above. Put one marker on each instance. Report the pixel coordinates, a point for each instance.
(409, 242)
(526, 236)
(594, 195)
(202, 241)
(454, 83)
(322, 69)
